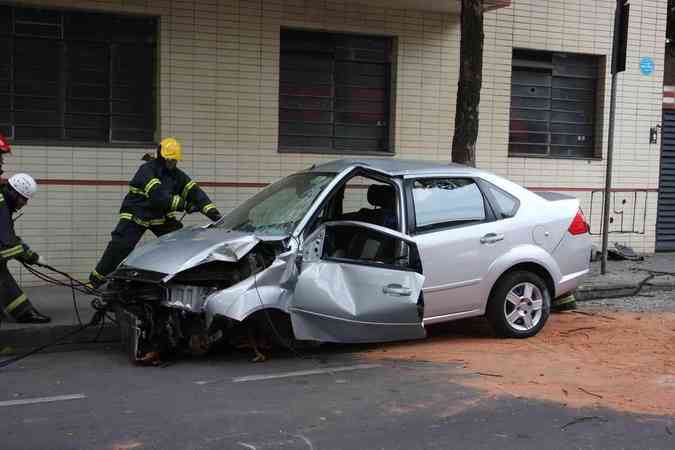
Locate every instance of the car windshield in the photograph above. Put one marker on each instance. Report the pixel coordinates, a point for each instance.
(277, 209)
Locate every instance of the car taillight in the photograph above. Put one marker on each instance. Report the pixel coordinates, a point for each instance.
(578, 225)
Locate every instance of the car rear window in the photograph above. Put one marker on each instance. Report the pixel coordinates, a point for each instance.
(441, 202)
(506, 203)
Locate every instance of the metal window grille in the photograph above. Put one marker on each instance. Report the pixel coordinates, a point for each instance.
(77, 76)
(334, 92)
(553, 99)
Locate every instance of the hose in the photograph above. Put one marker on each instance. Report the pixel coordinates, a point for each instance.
(98, 318)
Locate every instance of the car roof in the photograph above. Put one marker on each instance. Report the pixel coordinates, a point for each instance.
(395, 167)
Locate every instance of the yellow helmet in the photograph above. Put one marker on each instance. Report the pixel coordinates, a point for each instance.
(170, 148)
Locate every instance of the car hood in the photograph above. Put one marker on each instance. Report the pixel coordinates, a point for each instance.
(184, 249)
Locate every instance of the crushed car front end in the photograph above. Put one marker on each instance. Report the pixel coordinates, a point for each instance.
(197, 286)
(163, 312)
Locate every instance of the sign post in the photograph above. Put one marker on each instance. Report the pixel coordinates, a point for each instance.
(618, 65)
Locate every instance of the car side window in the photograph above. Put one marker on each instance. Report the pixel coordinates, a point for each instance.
(361, 245)
(506, 204)
(363, 199)
(446, 202)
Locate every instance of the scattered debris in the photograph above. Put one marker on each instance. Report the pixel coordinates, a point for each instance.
(589, 314)
(590, 393)
(622, 252)
(619, 348)
(583, 419)
(577, 329)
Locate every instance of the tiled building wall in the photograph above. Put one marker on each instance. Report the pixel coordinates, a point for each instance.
(580, 26)
(219, 64)
(219, 74)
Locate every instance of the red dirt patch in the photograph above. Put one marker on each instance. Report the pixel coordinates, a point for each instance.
(624, 361)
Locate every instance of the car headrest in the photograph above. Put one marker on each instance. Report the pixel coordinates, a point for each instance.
(382, 195)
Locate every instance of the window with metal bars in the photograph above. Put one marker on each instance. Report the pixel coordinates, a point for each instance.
(70, 76)
(334, 92)
(553, 104)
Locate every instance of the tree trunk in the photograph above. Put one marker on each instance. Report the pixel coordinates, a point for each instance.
(470, 78)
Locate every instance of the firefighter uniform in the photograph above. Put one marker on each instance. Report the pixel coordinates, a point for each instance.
(12, 299)
(156, 196)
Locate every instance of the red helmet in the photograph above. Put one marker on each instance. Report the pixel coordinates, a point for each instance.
(4, 145)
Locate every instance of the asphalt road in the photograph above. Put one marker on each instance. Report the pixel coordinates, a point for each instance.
(93, 399)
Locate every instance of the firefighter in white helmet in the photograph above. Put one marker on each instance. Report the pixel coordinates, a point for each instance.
(14, 195)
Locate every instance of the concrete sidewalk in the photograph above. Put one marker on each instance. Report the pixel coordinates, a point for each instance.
(624, 278)
(56, 302)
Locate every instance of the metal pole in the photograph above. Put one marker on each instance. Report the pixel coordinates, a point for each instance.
(608, 177)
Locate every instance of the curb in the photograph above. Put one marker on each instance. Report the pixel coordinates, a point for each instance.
(17, 341)
(587, 293)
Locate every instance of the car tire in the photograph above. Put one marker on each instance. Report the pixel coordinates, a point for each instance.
(519, 305)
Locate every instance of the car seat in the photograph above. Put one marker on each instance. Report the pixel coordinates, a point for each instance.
(383, 198)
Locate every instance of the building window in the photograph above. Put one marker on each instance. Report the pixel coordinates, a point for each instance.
(77, 76)
(334, 92)
(553, 103)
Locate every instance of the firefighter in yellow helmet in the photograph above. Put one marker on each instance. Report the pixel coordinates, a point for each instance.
(157, 193)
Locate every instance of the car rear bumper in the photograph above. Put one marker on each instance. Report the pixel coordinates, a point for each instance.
(573, 255)
(570, 282)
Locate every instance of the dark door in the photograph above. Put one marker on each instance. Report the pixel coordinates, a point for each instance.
(665, 222)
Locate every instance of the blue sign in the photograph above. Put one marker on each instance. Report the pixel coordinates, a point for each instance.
(646, 65)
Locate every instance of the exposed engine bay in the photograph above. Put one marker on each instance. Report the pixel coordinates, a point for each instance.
(159, 318)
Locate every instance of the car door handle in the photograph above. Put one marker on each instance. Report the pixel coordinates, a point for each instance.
(491, 238)
(397, 290)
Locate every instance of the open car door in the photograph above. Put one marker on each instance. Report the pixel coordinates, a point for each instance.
(358, 283)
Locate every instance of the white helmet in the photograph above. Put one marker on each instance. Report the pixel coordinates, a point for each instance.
(24, 184)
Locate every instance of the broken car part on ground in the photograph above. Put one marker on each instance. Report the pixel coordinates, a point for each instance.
(355, 251)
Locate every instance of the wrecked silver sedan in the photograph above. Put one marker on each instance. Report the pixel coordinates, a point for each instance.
(355, 251)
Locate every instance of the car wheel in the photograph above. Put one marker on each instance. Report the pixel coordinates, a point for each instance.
(519, 305)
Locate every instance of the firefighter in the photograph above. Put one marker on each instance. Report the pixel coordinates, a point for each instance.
(5, 149)
(157, 192)
(15, 194)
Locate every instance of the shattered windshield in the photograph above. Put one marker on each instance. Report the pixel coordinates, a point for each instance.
(277, 209)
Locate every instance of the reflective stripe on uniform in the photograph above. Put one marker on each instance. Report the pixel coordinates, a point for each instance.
(208, 208)
(97, 275)
(135, 190)
(16, 303)
(151, 184)
(141, 222)
(174, 202)
(13, 251)
(187, 188)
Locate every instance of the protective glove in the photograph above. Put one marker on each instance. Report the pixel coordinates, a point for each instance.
(42, 261)
(213, 214)
(30, 257)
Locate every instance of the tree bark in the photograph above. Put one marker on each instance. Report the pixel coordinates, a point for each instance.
(470, 79)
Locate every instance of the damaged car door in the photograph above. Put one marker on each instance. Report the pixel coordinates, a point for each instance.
(358, 282)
